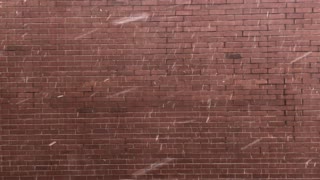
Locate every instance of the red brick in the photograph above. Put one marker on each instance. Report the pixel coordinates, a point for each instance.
(217, 11)
(183, 1)
(234, 1)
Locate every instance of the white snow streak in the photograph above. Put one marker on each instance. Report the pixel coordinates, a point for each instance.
(137, 17)
(301, 57)
(152, 167)
(208, 119)
(22, 101)
(251, 144)
(182, 122)
(85, 34)
(122, 92)
(60, 96)
(307, 163)
(51, 144)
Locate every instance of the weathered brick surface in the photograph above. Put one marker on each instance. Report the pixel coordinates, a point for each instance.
(159, 89)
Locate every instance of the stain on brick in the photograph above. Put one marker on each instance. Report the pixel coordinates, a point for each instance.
(15, 48)
(117, 2)
(233, 56)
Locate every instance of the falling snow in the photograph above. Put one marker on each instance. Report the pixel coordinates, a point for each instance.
(153, 79)
(20, 102)
(122, 92)
(153, 166)
(86, 34)
(251, 144)
(301, 57)
(132, 18)
(53, 143)
(307, 163)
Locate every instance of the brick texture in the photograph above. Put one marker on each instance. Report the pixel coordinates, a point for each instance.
(159, 89)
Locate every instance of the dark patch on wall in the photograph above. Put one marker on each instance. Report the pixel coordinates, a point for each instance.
(233, 56)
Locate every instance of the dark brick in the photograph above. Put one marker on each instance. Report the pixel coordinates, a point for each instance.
(233, 56)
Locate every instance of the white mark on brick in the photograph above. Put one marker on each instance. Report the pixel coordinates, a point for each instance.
(288, 138)
(45, 94)
(307, 163)
(208, 119)
(109, 17)
(22, 101)
(153, 166)
(150, 113)
(251, 144)
(122, 92)
(209, 103)
(301, 57)
(85, 34)
(60, 96)
(106, 80)
(137, 17)
(157, 138)
(183, 122)
(51, 144)
(24, 35)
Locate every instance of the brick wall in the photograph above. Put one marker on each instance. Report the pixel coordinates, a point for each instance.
(159, 89)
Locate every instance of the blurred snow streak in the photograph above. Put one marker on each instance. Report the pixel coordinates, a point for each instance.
(136, 17)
